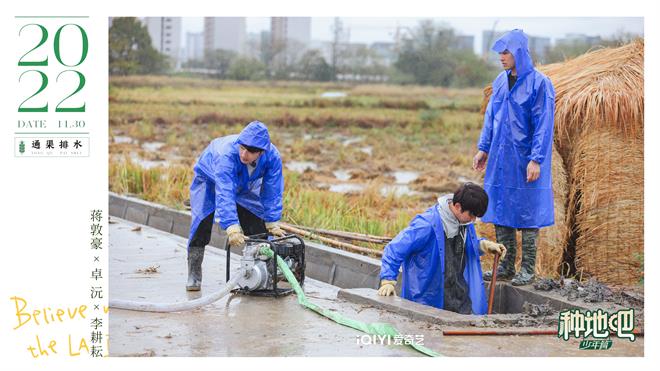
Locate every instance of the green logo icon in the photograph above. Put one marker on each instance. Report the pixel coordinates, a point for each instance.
(21, 147)
(598, 344)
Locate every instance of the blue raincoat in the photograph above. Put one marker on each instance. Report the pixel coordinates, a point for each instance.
(221, 181)
(518, 127)
(420, 248)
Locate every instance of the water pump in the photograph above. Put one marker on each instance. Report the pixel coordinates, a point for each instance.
(259, 274)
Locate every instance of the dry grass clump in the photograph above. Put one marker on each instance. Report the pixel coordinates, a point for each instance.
(608, 179)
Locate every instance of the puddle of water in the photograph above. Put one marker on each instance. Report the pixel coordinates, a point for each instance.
(152, 146)
(368, 150)
(123, 139)
(301, 166)
(148, 164)
(352, 140)
(346, 188)
(342, 175)
(404, 177)
(333, 94)
(398, 190)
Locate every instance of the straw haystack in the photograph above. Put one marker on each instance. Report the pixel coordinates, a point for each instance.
(552, 240)
(599, 130)
(602, 89)
(608, 179)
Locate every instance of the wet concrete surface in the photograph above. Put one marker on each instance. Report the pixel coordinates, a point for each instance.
(149, 265)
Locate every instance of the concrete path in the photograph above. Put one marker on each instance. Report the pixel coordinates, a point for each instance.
(149, 265)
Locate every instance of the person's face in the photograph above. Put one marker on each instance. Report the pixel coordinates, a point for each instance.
(246, 156)
(507, 60)
(463, 216)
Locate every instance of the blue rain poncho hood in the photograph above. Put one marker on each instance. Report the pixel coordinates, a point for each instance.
(255, 134)
(221, 180)
(516, 43)
(420, 250)
(519, 128)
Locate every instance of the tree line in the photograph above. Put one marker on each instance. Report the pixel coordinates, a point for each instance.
(427, 54)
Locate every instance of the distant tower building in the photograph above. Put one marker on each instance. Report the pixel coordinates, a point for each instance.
(487, 40)
(578, 38)
(165, 35)
(539, 47)
(227, 33)
(194, 46)
(464, 42)
(385, 51)
(291, 28)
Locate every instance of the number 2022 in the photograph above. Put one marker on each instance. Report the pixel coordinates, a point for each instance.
(23, 61)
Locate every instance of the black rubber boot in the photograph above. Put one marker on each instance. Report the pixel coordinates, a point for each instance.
(507, 237)
(527, 268)
(502, 273)
(195, 258)
(522, 278)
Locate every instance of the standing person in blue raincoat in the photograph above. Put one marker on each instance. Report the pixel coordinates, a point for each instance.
(439, 252)
(237, 184)
(516, 145)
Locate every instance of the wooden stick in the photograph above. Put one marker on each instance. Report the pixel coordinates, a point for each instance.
(335, 243)
(493, 279)
(345, 235)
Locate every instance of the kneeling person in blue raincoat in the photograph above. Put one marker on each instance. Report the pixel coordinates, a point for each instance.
(440, 253)
(237, 184)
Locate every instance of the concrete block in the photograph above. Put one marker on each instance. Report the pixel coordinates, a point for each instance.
(136, 214)
(181, 224)
(420, 312)
(160, 221)
(218, 238)
(117, 206)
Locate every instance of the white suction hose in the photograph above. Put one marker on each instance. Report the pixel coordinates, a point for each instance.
(177, 307)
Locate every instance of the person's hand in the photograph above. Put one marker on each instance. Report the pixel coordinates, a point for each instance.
(235, 235)
(493, 248)
(479, 161)
(386, 288)
(275, 230)
(533, 171)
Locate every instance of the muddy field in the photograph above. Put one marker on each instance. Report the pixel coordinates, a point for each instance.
(377, 154)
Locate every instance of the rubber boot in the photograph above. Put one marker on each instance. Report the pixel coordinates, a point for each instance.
(528, 266)
(503, 273)
(195, 258)
(507, 237)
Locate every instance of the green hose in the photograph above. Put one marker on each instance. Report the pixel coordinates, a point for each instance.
(376, 328)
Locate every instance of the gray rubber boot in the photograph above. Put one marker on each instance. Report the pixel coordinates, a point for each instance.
(527, 268)
(507, 237)
(502, 273)
(195, 258)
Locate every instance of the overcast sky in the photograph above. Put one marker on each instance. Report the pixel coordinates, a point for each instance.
(368, 30)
